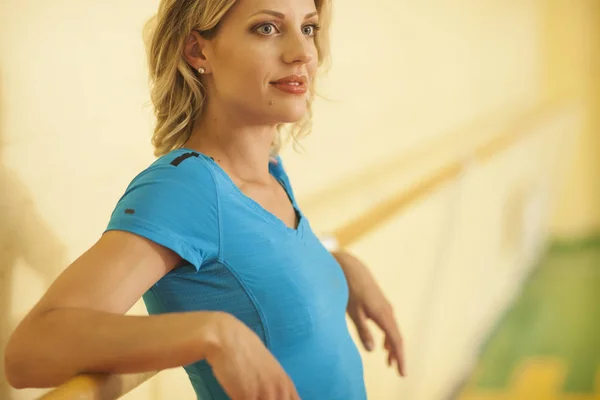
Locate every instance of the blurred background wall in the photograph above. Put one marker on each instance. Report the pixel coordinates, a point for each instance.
(414, 86)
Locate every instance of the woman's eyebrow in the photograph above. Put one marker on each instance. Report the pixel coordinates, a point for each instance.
(281, 15)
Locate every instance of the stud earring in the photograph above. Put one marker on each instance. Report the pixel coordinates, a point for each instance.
(201, 70)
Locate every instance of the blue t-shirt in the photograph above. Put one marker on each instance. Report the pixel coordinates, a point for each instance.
(243, 260)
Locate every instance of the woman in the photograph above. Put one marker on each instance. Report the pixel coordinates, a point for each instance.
(240, 290)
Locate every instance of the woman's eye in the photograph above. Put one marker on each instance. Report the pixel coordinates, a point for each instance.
(266, 29)
(308, 30)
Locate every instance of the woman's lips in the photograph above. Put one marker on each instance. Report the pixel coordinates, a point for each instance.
(290, 87)
(293, 84)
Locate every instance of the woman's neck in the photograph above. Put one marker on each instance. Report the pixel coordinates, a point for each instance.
(242, 150)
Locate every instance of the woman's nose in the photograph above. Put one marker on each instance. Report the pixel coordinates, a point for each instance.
(298, 49)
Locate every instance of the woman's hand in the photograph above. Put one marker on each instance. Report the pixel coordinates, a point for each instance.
(242, 364)
(368, 302)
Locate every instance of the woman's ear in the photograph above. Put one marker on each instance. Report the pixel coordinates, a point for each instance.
(193, 52)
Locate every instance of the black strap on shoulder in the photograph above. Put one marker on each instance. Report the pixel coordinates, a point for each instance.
(183, 157)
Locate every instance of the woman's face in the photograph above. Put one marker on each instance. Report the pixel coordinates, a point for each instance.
(262, 60)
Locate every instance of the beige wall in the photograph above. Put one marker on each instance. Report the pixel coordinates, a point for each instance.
(407, 76)
(578, 204)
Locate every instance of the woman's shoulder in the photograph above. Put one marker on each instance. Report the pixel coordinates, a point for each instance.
(180, 165)
(182, 159)
(180, 174)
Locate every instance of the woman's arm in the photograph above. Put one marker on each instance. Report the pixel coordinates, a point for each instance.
(367, 301)
(78, 326)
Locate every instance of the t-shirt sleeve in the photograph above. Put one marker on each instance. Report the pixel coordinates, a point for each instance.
(174, 206)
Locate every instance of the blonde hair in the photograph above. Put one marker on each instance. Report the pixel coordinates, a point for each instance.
(176, 92)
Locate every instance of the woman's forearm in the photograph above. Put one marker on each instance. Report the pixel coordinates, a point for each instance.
(49, 349)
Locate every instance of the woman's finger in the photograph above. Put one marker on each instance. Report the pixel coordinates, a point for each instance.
(397, 349)
(360, 321)
(386, 321)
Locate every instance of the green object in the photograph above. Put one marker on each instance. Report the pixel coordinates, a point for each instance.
(556, 315)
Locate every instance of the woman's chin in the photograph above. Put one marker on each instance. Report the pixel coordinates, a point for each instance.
(292, 114)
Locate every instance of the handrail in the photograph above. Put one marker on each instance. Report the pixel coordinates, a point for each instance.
(98, 386)
(369, 220)
(112, 386)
